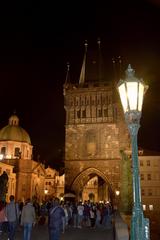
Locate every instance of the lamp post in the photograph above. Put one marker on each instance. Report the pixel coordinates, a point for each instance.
(131, 91)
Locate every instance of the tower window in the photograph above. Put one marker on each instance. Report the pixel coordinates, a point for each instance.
(149, 177)
(99, 113)
(148, 163)
(105, 113)
(83, 113)
(78, 114)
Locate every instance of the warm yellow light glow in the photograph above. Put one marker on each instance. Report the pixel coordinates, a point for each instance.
(45, 191)
(151, 207)
(131, 91)
(141, 94)
(117, 192)
(132, 94)
(1, 156)
(144, 207)
(123, 96)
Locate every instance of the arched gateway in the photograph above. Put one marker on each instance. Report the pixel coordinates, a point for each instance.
(84, 177)
(95, 132)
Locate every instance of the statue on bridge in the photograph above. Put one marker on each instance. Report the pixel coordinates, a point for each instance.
(3, 186)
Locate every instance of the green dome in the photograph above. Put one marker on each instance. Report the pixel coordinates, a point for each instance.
(13, 132)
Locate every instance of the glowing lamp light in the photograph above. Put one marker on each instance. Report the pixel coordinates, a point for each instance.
(117, 192)
(131, 91)
(46, 191)
(1, 156)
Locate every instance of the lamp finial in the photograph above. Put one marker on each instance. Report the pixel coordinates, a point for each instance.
(130, 71)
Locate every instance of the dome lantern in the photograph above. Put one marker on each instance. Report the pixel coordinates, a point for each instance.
(14, 120)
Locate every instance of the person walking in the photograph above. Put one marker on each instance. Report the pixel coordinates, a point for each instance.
(92, 216)
(55, 222)
(3, 218)
(12, 214)
(107, 216)
(98, 217)
(80, 209)
(75, 215)
(28, 219)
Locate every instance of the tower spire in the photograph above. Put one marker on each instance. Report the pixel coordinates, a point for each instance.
(83, 69)
(120, 66)
(99, 60)
(114, 69)
(67, 81)
(117, 67)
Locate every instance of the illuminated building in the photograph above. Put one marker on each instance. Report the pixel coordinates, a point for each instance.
(95, 133)
(30, 177)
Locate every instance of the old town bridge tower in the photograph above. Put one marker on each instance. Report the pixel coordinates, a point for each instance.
(95, 132)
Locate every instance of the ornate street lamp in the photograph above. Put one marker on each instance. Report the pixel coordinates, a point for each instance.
(131, 91)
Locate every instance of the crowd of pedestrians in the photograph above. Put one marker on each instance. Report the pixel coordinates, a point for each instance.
(59, 216)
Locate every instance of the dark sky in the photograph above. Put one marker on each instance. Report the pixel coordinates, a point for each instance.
(37, 41)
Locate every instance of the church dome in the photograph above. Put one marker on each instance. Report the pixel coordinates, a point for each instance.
(13, 132)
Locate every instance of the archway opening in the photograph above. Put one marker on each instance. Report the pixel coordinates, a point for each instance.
(93, 185)
(96, 190)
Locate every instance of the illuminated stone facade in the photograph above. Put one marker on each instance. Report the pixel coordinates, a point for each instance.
(11, 179)
(54, 184)
(150, 181)
(95, 133)
(29, 177)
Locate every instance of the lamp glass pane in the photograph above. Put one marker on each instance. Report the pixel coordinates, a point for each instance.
(123, 96)
(132, 93)
(140, 98)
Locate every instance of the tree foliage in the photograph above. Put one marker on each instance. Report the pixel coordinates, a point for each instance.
(126, 189)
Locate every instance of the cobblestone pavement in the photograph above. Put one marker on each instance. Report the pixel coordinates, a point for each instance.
(41, 233)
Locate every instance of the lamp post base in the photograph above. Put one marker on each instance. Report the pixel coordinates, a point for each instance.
(139, 226)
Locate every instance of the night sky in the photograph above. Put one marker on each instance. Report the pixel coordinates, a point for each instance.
(37, 41)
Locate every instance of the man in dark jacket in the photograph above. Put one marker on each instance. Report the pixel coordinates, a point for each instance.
(55, 220)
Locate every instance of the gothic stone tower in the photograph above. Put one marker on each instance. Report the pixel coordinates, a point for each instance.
(95, 130)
